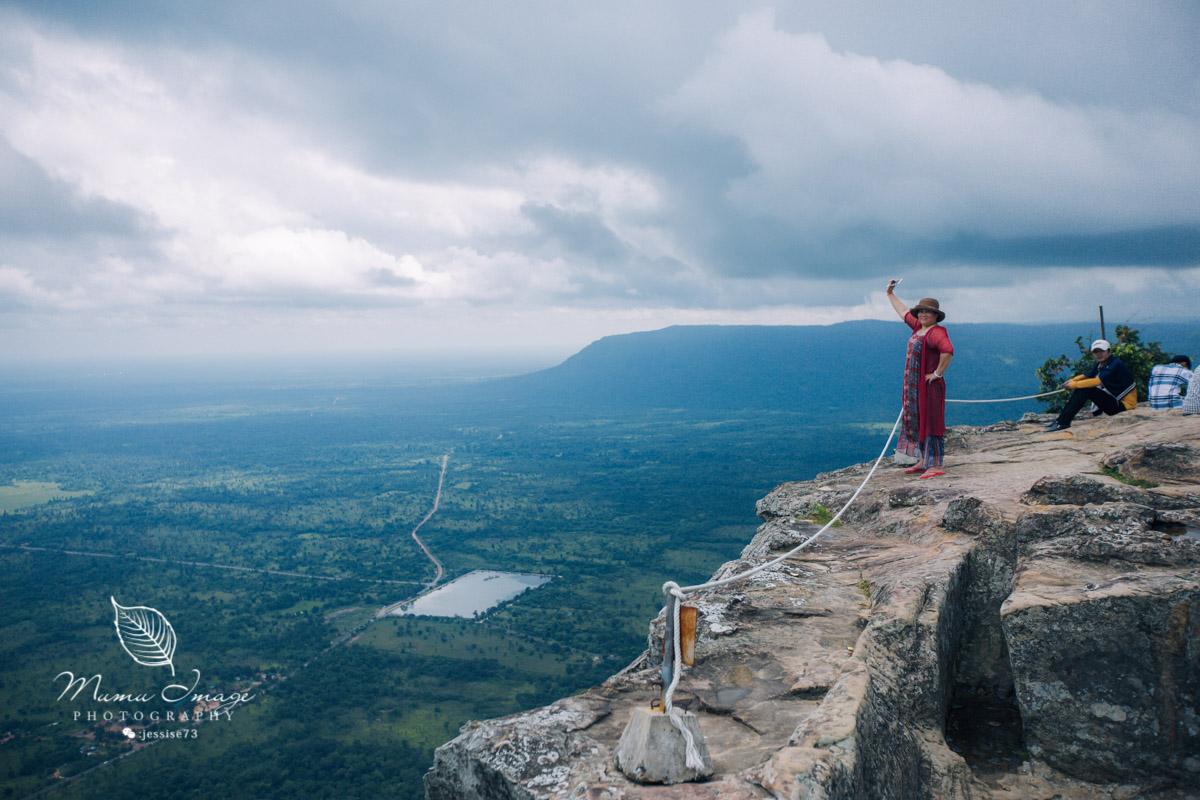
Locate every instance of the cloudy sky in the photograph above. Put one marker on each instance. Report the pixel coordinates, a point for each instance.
(486, 177)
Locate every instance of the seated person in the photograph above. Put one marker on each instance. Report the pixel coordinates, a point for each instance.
(1109, 384)
(1191, 403)
(1166, 381)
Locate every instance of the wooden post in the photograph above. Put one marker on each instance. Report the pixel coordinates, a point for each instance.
(687, 634)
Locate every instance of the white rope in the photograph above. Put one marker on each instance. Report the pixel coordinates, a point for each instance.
(768, 564)
(671, 588)
(692, 755)
(1008, 399)
(678, 594)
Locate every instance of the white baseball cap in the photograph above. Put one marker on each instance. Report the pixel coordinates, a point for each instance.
(1101, 344)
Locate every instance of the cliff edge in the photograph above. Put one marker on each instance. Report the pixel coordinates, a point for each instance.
(1026, 627)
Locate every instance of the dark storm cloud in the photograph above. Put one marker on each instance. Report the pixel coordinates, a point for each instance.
(862, 163)
(579, 233)
(751, 246)
(830, 141)
(437, 88)
(758, 247)
(1166, 246)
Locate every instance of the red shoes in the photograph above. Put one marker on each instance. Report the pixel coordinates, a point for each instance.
(926, 474)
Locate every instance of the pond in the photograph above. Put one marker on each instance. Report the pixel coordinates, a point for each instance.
(473, 593)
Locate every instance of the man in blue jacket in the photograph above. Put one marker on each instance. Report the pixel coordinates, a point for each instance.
(1109, 384)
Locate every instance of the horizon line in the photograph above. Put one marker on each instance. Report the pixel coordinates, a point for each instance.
(458, 357)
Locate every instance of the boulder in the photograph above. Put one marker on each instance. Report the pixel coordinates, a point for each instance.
(1043, 525)
(516, 758)
(653, 750)
(1158, 462)
(1078, 490)
(1107, 669)
(972, 515)
(1136, 547)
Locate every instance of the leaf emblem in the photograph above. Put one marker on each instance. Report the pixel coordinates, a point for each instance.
(145, 634)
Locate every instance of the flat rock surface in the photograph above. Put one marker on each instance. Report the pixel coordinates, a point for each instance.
(833, 673)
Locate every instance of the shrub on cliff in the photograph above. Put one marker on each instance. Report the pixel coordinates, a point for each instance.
(1139, 356)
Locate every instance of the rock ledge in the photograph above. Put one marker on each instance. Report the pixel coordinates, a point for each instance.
(1027, 627)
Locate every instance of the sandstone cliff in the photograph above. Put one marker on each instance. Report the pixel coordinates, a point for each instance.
(1027, 627)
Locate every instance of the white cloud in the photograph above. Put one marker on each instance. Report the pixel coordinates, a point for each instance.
(324, 260)
(252, 207)
(416, 210)
(17, 289)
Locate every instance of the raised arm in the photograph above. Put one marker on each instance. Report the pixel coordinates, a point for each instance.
(898, 304)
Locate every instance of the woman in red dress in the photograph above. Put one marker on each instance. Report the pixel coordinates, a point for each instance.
(923, 424)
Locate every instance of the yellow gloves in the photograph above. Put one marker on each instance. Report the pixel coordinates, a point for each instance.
(1080, 382)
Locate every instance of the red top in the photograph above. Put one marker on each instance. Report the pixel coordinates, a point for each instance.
(931, 397)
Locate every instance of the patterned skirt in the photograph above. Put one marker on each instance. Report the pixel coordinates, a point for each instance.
(930, 450)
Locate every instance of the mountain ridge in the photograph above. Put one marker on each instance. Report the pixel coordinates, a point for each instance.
(852, 366)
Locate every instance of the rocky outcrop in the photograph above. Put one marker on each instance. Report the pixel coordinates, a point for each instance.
(1107, 668)
(1028, 626)
(1158, 462)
